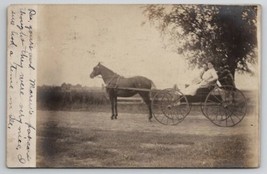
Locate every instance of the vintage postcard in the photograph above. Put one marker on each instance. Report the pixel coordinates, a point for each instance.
(133, 86)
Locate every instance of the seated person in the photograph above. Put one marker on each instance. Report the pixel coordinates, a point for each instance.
(200, 78)
(225, 76)
(208, 77)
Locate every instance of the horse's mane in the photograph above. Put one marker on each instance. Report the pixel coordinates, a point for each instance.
(109, 70)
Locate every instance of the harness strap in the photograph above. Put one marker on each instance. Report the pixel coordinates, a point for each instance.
(116, 84)
(111, 79)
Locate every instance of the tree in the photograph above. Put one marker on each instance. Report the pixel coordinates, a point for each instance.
(223, 34)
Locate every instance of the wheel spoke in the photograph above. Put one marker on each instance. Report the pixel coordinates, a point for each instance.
(226, 121)
(217, 98)
(236, 115)
(211, 101)
(232, 120)
(162, 119)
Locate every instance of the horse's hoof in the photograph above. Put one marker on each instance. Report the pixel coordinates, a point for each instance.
(111, 117)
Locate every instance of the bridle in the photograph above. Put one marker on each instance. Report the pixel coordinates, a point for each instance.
(114, 76)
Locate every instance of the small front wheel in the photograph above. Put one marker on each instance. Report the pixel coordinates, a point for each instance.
(170, 107)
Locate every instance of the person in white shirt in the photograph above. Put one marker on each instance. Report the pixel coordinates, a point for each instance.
(208, 77)
(200, 77)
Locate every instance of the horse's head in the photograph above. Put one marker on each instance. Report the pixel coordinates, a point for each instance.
(96, 71)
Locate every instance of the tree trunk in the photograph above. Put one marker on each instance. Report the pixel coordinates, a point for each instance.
(232, 66)
(232, 70)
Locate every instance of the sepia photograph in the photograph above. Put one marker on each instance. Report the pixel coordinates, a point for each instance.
(148, 86)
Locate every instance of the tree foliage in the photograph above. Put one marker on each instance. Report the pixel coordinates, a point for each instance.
(223, 34)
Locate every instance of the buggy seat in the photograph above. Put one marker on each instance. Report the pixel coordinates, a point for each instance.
(225, 78)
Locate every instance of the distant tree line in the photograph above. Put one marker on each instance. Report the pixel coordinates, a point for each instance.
(69, 96)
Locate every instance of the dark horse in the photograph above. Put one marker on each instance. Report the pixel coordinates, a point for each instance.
(118, 86)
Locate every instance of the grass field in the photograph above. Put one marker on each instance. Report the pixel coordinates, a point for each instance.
(91, 139)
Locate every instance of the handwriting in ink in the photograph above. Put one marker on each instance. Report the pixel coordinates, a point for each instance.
(30, 36)
(31, 66)
(21, 44)
(21, 159)
(21, 22)
(22, 35)
(13, 119)
(21, 84)
(19, 138)
(22, 38)
(11, 53)
(31, 101)
(29, 138)
(12, 69)
(22, 59)
(12, 38)
(12, 22)
(32, 12)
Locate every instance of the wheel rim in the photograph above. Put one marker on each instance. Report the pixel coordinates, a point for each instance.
(225, 106)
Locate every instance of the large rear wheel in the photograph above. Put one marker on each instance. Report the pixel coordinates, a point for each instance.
(225, 106)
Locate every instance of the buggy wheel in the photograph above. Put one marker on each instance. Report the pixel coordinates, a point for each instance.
(202, 106)
(225, 106)
(170, 107)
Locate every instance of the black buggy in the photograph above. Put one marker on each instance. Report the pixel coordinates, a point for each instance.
(224, 105)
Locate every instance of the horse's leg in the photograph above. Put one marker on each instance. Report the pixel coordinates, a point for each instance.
(112, 106)
(115, 107)
(146, 97)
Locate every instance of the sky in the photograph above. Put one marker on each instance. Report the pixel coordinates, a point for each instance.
(73, 39)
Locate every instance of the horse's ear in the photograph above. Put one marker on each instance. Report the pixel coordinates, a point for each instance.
(98, 63)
